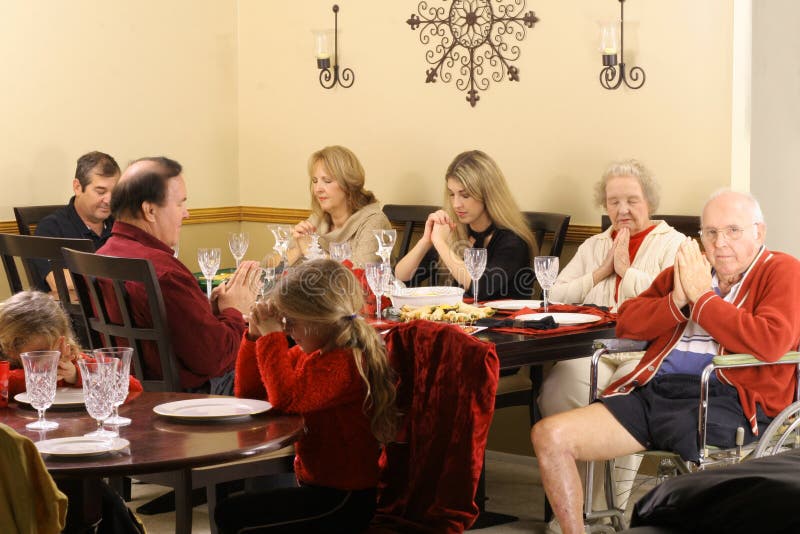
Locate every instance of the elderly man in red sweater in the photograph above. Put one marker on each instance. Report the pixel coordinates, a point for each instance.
(738, 297)
(149, 204)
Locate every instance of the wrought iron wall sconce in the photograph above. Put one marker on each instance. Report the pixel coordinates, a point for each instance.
(468, 41)
(328, 78)
(613, 75)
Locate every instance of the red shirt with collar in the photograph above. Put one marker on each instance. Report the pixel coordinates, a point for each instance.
(204, 344)
(338, 449)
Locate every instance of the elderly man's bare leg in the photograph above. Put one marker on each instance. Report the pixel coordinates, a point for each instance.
(588, 433)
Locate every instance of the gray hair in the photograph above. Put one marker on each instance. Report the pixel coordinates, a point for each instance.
(758, 215)
(634, 169)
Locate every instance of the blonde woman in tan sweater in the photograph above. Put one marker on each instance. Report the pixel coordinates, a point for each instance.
(341, 209)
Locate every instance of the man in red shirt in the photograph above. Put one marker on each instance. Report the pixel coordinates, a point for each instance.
(738, 297)
(149, 204)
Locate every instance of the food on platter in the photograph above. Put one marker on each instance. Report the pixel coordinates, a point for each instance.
(452, 313)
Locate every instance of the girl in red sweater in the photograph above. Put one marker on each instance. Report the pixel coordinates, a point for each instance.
(30, 321)
(338, 378)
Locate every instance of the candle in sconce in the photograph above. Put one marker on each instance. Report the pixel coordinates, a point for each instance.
(609, 51)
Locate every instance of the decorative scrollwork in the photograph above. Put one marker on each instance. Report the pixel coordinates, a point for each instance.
(469, 41)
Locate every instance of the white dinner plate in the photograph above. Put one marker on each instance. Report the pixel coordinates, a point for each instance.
(65, 397)
(212, 408)
(81, 446)
(560, 318)
(514, 304)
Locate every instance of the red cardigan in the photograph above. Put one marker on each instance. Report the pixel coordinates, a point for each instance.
(339, 449)
(16, 380)
(763, 321)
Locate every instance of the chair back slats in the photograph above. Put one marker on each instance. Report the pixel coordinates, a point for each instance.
(407, 215)
(103, 284)
(688, 225)
(31, 215)
(542, 223)
(28, 248)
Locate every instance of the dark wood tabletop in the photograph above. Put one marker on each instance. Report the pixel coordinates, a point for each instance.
(515, 350)
(158, 443)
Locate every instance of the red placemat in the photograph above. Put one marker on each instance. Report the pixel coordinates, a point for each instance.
(606, 317)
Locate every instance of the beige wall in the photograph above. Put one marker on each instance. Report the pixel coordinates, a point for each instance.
(129, 78)
(552, 133)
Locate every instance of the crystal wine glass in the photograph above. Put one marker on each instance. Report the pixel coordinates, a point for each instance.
(341, 251)
(121, 357)
(208, 258)
(238, 243)
(379, 275)
(386, 240)
(546, 269)
(265, 281)
(99, 391)
(40, 383)
(314, 251)
(283, 234)
(475, 262)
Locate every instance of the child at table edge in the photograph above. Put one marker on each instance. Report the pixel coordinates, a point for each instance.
(338, 378)
(31, 321)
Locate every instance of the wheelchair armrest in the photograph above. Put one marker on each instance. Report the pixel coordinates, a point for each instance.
(619, 345)
(743, 360)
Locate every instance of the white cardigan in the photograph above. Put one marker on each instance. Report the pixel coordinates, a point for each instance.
(574, 284)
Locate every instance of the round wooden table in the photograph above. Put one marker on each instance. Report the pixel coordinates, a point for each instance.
(158, 444)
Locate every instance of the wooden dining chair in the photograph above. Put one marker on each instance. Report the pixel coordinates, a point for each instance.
(28, 216)
(551, 225)
(28, 249)
(408, 216)
(100, 282)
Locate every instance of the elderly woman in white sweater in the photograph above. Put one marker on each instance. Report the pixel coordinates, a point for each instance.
(607, 269)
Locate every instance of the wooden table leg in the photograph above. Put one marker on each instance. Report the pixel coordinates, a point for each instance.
(183, 501)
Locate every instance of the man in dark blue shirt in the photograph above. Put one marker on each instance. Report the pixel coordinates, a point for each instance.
(88, 214)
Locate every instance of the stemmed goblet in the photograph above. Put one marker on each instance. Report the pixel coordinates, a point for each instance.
(314, 251)
(41, 367)
(99, 386)
(238, 243)
(546, 269)
(208, 258)
(265, 281)
(386, 240)
(379, 275)
(282, 234)
(475, 262)
(340, 251)
(121, 357)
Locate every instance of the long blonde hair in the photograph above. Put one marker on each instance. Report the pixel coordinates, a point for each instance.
(327, 295)
(30, 314)
(484, 181)
(343, 166)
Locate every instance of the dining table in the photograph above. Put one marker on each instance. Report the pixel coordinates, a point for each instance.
(157, 443)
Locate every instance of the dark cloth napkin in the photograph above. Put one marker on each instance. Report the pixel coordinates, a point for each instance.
(541, 324)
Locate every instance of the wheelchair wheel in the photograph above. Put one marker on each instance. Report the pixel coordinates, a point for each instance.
(783, 433)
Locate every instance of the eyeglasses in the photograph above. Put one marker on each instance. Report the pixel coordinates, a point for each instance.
(731, 233)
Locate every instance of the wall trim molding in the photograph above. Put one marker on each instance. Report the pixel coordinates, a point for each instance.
(576, 234)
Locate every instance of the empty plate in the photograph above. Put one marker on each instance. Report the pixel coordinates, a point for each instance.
(560, 318)
(81, 446)
(65, 397)
(513, 304)
(212, 408)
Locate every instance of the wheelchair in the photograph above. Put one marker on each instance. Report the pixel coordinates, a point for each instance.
(783, 433)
